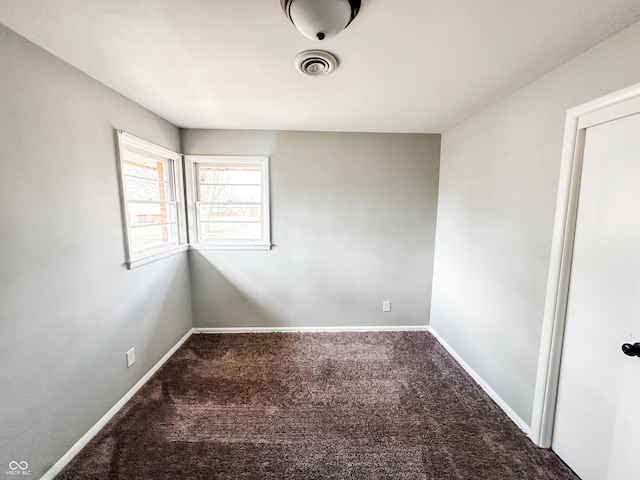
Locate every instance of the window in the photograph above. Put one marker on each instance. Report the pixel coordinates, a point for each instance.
(151, 187)
(228, 201)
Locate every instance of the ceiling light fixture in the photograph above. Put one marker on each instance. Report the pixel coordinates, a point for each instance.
(321, 19)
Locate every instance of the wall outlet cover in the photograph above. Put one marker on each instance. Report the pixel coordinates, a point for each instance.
(386, 306)
(131, 357)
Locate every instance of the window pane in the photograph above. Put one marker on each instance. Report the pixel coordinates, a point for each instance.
(231, 175)
(228, 193)
(230, 205)
(152, 203)
(149, 213)
(230, 231)
(230, 214)
(144, 238)
(139, 189)
(141, 166)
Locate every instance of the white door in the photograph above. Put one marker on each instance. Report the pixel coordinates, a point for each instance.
(597, 423)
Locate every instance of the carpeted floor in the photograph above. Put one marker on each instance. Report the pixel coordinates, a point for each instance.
(383, 405)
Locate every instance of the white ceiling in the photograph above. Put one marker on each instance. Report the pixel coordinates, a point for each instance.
(405, 65)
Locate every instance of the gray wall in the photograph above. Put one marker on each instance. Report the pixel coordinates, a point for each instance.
(498, 182)
(353, 218)
(69, 309)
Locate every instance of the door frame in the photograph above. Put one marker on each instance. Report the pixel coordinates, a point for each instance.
(610, 107)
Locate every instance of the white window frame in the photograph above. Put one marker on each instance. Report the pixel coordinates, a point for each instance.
(137, 258)
(191, 165)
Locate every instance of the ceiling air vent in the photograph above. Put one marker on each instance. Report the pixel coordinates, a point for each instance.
(316, 63)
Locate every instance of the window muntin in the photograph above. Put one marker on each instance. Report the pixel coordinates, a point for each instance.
(230, 201)
(151, 180)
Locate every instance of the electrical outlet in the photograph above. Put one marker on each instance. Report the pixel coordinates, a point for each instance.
(386, 306)
(131, 357)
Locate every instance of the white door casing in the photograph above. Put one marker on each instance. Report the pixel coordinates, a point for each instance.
(616, 105)
(596, 378)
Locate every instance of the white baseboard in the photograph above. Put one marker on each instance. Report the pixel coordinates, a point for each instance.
(522, 425)
(401, 328)
(86, 438)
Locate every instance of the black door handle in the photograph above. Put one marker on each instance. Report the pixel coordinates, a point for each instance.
(631, 350)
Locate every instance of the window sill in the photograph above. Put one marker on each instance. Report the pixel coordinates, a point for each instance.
(155, 256)
(206, 246)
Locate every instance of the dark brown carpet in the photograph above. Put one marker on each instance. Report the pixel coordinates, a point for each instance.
(384, 405)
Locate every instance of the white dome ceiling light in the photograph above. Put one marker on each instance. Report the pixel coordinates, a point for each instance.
(321, 19)
(316, 63)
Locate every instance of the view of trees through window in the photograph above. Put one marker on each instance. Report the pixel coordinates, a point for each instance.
(150, 206)
(229, 202)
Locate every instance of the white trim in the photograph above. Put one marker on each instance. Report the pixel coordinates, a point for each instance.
(205, 246)
(86, 438)
(522, 425)
(609, 113)
(548, 374)
(146, 146)
(152, 257)
(400, 328)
